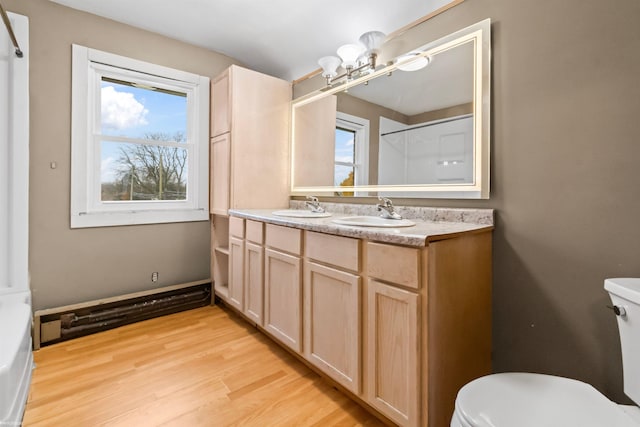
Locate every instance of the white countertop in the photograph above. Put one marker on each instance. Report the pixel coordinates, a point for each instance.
(417, 235)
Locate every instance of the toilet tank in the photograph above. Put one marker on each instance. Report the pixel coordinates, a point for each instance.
(625, 294)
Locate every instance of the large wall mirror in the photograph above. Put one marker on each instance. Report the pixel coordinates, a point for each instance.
(401, 131)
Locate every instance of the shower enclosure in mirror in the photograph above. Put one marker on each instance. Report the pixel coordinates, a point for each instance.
(416, 128)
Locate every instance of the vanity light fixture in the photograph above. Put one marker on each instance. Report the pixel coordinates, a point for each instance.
(406, 63)
(356, 59)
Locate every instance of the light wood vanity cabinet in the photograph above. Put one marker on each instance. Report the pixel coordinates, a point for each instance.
(245, 285)
(394, 264)
(251, 110)
(220, 154)
(283, 285)
(401, 328)
(221, 104)
(254, 271)
(235, 295)
(393, 352)
(332, 307)
(248, 165)
(428, 325)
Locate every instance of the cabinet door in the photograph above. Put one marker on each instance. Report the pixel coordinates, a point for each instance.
(220, 105)
(254, 281)
(236, 272)
(332, 323)
(220, 162)
(282, 299)
(393, 346)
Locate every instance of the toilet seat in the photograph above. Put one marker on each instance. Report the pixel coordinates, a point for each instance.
(633, 411)
(535, 400)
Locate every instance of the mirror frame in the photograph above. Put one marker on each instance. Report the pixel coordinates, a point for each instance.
(480, 35)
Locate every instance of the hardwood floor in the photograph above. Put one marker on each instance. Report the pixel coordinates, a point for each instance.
(203, 367)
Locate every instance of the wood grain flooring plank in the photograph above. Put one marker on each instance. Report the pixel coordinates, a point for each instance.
(202, 367)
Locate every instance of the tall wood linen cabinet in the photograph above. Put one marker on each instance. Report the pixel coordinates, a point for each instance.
(248, 161)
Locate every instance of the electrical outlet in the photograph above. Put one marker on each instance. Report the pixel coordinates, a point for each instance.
(154, 276)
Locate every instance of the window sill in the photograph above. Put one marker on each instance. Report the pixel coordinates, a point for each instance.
(110, 219)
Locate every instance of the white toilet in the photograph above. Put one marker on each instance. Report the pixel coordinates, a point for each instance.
(535, 400)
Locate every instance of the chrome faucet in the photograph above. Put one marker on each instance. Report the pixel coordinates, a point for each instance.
(386, 209)
(314, 204)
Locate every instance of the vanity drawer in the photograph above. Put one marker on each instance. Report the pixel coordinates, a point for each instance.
(342, 252)
(255, 231)
(236, 227)
(395, 264)
(284, 238)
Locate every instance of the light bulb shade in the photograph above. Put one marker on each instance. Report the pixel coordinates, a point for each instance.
(349, 53)
(417, 63)
(372, 41)
(329, 65)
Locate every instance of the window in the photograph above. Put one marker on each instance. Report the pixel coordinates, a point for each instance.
(345, 157)
(139, 142)
(351, 151)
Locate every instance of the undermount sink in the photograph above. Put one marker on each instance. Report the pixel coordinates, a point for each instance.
(373, 221)
(298, 213)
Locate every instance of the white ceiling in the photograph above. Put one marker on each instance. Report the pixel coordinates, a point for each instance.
(283, 38)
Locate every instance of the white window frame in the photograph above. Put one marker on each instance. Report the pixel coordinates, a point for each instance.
(87, 209)
(361, 140)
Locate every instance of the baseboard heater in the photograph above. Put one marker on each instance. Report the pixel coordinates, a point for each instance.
(63, 323)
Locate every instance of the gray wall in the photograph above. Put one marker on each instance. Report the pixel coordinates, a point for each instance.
(565, 129)
(69, 266)
(565, 177)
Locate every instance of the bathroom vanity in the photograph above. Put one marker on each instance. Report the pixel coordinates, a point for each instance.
(400, 318)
